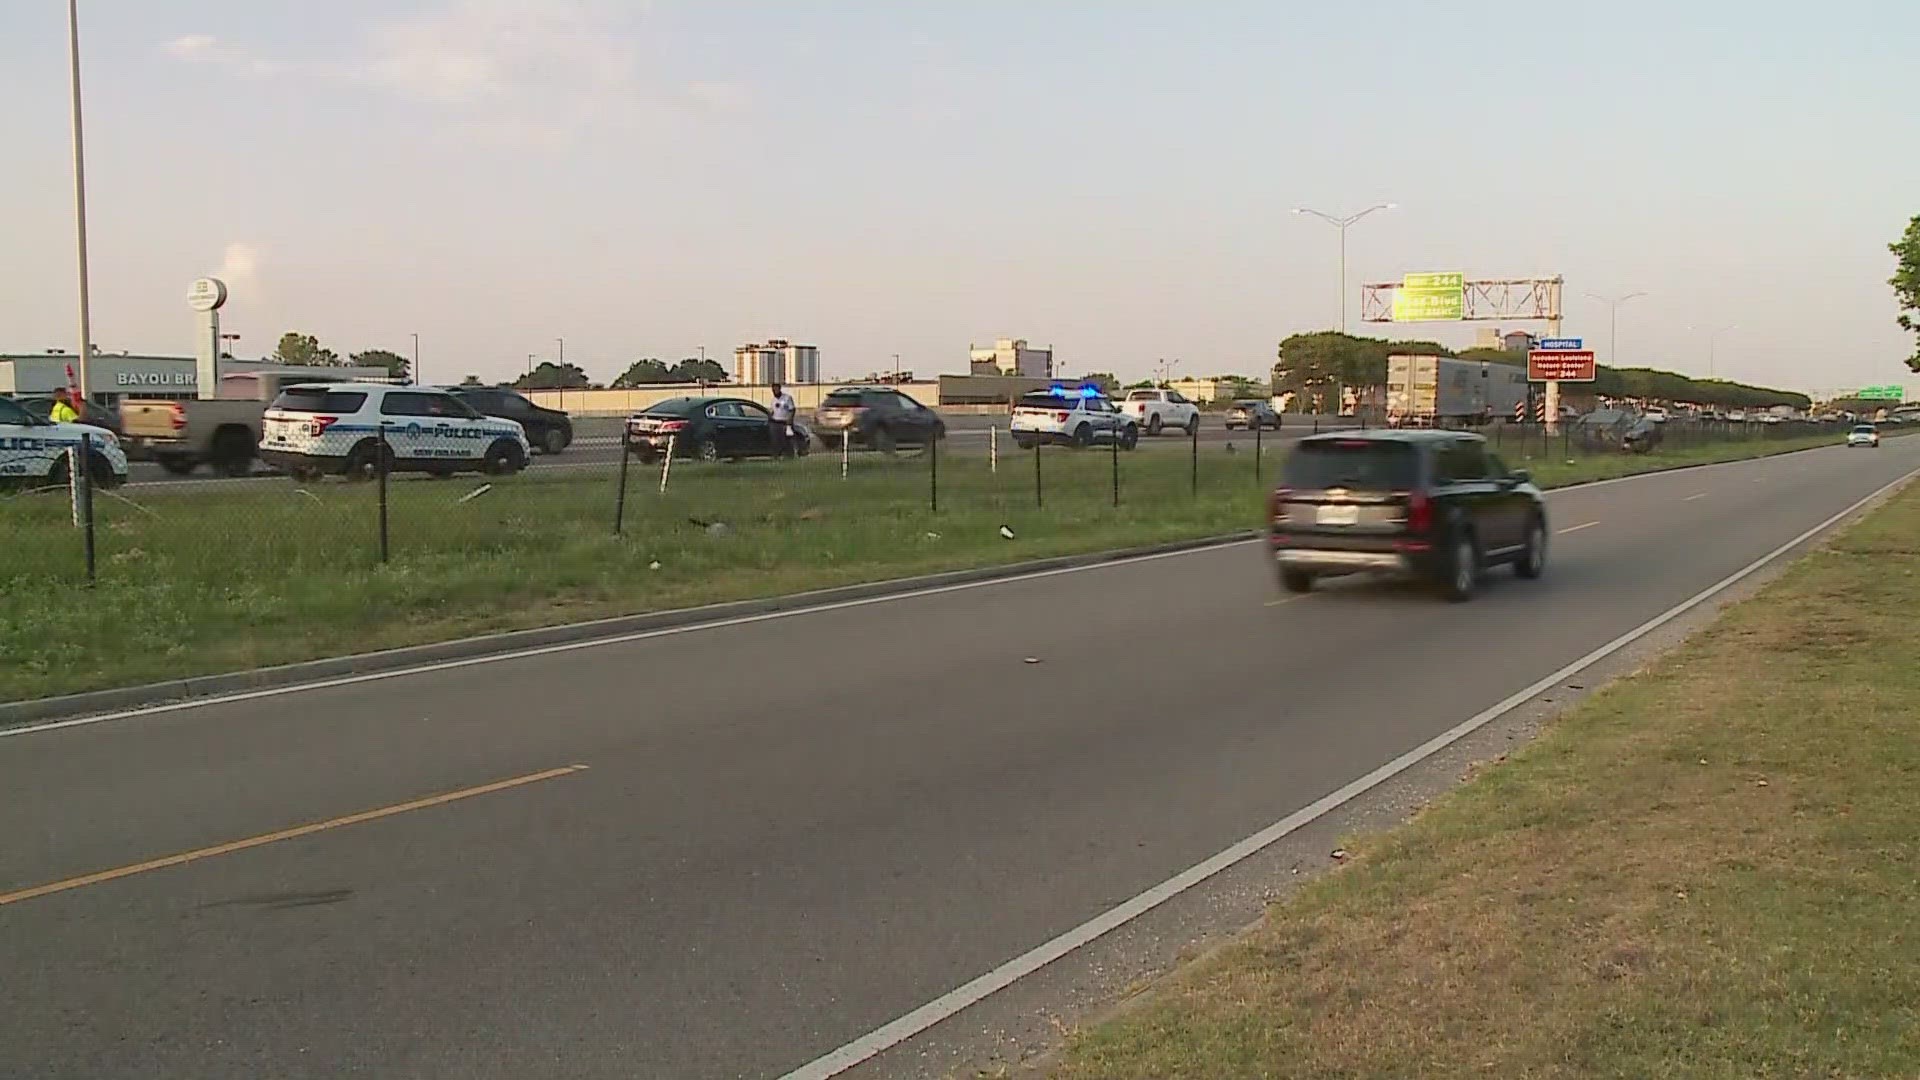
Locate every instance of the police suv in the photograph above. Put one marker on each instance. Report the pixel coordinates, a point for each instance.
(34, 450)
(1074, 417)
(337, 428)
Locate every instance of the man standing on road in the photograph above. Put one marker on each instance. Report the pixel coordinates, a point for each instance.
(63, 411)
(780, 428)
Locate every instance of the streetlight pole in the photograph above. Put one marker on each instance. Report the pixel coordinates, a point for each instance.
(80, 195)
(1713, 337)
(416, 360)
(563, 351)
(1613, 322)
(1343, 223)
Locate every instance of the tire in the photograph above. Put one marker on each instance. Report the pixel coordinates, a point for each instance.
(1193, 426)
(1025, 444)
(1153, 424)
(503, 459)
(232, 452)
(802, 446)
(363, 461)
(706, 450)
(1130, 438)
(1296, 581)
(178, 466)
(100, 471)
(882, 440)
(1082, 437)
(58, 475)
(1533, 557)
(555, 441)
(1462, 573)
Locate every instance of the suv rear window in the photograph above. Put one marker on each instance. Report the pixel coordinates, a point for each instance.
(1144, 395)
(1365, 464)
(1044, 401)
(842, 399)
(318, 399)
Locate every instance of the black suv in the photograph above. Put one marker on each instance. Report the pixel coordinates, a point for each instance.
(549, 431)
(1432, 503)
(877, 417)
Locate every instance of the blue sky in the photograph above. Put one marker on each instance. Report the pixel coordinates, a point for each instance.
(1112, 178)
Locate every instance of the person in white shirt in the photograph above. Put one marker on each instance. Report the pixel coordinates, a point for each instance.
(780, 428)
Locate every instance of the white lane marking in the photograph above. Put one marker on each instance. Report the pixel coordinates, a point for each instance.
(673, 631)
(1696, 495)
(1576, 528)
(924, 1017)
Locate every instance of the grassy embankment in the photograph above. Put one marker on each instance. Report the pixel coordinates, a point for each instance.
(1707, 870)
(203, 578)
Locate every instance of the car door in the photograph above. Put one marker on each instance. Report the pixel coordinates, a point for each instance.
(1516, 502)
(750, 424)
(23, 451)
(1106, 421)
(405, 418)
(514, 407)
(1463, 469)
(915, 420)
(1181, 409)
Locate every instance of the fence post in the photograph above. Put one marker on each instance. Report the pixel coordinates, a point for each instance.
(1258, 449)
(993, 449)
(81, 475)
(1038, 500)
(381, 468)
(1193, 440)
(1116, 467)
(933, 472)
(666, 466)
(846, 448)
(620, 498)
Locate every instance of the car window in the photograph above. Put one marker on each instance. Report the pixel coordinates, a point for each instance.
(1365, 464)
(1496, 468)
(678, 407)
(514, 404)
(1174, 396)
(1042, 400)
(11, 413)
(318, 399)
(842, 399)
(752, 411)
(907, 403)
(1144, 395)
(406, 404)
(1463, 460)
(724, 410)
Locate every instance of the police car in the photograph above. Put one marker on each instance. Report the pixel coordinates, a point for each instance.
(1075, 416)
(34, 450)
(322, 428)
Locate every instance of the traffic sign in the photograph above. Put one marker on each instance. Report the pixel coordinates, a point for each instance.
(1544, 365)
(1562, 344)
(1431, 298)
(1881, 393)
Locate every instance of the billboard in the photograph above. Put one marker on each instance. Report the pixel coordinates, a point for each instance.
(1431, 298)
(1545, 365)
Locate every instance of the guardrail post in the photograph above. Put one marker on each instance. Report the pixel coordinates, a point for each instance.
(620, 497)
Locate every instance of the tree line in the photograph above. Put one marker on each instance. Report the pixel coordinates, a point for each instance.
(1328, 358)
(305, 350)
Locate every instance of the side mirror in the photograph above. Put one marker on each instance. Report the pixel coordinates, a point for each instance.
(1521, 476)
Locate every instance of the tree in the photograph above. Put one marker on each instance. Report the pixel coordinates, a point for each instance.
(393, 363)
(1105, 380)
(700, 371)
(304, 350)
(472, 380)
(552, 376)
(1906, 285)
(641, 373)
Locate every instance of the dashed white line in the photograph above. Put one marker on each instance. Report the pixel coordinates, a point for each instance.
(1576, 528)
(1690, 498)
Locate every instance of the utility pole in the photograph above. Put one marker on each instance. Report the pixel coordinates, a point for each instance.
(1343, 223)
(80, 197)
(415, 367)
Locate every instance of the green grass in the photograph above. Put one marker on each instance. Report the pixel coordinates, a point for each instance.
(1707, 871)
(202, 579)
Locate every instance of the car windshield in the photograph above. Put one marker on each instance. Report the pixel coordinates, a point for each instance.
(1864, 429)
(1366, 464)
(319, 399)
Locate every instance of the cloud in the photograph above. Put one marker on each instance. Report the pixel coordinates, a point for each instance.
(240, 266)
(192, 45)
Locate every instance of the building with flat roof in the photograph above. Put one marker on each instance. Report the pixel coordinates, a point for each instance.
(777, 361)
(1010, 356)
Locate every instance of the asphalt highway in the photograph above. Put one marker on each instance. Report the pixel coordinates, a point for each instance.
(787, 832)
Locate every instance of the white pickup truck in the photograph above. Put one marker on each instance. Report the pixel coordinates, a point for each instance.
(1157, 410)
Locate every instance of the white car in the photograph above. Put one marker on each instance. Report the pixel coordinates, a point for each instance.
(35, 450)
(323, 428)
(1157, 410)
(1072, 418)
(1864, 435)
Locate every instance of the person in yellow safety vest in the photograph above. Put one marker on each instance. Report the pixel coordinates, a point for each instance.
(63, 411)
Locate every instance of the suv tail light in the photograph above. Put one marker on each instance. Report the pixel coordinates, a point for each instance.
(318, 425)
(1061, 417)
(1277, 504)
(177, 415)
(1419, 512)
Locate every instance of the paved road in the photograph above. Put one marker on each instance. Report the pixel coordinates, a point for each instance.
(968, 435)
(789, 832)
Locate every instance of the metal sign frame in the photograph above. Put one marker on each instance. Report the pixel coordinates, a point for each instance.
(1486, 300)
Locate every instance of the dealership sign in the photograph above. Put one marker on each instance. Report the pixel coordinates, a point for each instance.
(1554, 365)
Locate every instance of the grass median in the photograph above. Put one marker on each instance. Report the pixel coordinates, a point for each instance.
(1707, 870)
(201, 578)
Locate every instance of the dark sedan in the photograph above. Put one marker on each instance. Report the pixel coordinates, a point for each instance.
(710, 429)
(549, 431)
(1433, 504)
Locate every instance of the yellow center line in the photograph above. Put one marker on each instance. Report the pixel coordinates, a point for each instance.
(284, 834)
(1577, 528)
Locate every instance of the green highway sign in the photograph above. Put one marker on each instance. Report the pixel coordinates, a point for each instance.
(1881, 393)
(1431, 298)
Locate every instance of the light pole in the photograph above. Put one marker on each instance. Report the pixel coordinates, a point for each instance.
(415, 366)
(79, 194)
(230, 337)
(1613, 322)
(1713, 337)
(563, 351)
(896, 369)
(1342, 223)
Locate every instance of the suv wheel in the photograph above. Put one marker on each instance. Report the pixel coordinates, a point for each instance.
(1533, 558)
(503, 459)
(1193, 425)
(555, 442)
(1083, 436)
(1296, 581)
(1130, 438)
(1462, 570)
(1153, 424)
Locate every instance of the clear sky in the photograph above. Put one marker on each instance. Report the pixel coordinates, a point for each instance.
(1113, 178)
